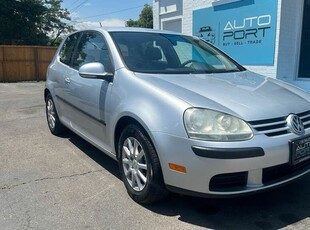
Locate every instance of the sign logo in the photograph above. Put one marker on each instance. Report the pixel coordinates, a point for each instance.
(245, 30)
(295, 124)
(253, 28)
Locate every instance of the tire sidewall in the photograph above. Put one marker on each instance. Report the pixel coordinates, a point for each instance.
(49, 98)
(135, 132)
(58, 128)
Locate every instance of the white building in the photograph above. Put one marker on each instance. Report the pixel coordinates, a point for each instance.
(270, 37)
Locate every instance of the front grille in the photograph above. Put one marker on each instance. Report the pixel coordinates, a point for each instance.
(228, 181)
(278, 172)
(278, 126)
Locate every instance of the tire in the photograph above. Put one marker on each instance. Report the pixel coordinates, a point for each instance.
(140, 167)
(53, 121)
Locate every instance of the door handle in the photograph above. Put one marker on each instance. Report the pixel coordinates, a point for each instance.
(67, 80)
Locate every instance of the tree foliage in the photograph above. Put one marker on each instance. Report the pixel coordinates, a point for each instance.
(145, 18)
(33, 22)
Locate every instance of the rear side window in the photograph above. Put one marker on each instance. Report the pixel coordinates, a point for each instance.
(68, 48)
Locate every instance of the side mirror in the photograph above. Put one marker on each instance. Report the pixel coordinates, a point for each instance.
(95, 70)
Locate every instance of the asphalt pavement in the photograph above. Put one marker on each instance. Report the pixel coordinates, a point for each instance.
(49, 182)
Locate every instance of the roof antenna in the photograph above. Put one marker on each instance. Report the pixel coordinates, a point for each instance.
(100, 24)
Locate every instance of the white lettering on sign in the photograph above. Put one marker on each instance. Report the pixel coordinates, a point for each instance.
(263, 20)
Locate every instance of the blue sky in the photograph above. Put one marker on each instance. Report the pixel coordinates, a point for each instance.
(85, 13)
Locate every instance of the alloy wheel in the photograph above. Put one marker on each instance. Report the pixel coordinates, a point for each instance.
(51, 115)
(134, 164)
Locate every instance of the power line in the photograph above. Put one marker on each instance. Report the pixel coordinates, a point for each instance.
(74, 3)
(112, 12)
(78, 6)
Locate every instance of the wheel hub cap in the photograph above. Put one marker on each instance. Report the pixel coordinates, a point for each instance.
(51, 116)
(134, 164)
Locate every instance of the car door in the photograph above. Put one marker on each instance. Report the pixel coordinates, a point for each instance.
(88, 97)
(60, 70)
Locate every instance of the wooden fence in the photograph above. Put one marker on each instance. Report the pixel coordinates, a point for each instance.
(24, 63)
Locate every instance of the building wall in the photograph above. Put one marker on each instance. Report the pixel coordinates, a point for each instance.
(290, 11)
(271, 71)
(156, 21)
(289, 45)
(167, 12)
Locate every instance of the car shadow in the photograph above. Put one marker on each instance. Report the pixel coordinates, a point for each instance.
(92, 152)
(269, 210)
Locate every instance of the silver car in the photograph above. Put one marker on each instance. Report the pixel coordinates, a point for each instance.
(177, 113)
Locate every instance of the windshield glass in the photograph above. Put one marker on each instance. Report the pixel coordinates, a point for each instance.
(170, 53)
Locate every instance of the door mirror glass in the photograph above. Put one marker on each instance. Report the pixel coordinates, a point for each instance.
(95, 70)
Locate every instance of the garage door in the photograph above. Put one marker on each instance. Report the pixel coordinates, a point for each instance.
(173, 25)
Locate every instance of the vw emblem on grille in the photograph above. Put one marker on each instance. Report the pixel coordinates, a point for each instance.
(295, 124)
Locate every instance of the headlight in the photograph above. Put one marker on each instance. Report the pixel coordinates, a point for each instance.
(215, 126)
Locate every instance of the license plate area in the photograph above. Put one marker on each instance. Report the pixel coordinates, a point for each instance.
(299, 150)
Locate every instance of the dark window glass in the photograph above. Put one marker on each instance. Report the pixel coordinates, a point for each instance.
(171, 53)
(68, 48)
(304, 68)
(92, 48)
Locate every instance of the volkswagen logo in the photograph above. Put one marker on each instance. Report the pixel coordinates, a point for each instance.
(295, 124)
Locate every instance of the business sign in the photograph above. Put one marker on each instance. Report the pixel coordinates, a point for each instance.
(246, 30)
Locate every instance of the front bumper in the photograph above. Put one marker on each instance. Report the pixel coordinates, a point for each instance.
(248, 166)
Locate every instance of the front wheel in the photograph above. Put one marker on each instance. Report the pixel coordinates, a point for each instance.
(140, 167)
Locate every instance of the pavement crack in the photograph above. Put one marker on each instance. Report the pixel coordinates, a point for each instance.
(67, 176)
(11, 186)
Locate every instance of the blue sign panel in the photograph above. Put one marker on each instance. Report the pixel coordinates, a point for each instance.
(246, 30)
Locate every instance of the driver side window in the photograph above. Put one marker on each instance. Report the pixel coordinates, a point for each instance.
(67, 49)
(92, 48)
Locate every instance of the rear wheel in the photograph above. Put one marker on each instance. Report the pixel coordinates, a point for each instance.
(53, 121)
(140, 167)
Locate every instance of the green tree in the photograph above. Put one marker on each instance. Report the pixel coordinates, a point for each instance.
(33, 22)
(145, 18)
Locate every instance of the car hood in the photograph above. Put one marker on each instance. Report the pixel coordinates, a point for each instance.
(244, 94)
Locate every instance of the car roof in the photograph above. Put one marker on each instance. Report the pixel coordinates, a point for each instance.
(127, 29)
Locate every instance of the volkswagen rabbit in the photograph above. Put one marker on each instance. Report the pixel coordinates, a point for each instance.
(177, 113)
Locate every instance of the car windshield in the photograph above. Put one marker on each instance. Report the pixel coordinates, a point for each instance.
(171, 53)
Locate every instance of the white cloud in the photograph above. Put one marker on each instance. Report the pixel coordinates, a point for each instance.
(108, 22)
(74, 16)
(83, 25)
(113, 22)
